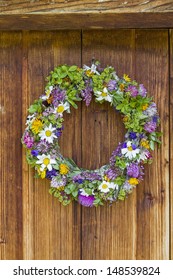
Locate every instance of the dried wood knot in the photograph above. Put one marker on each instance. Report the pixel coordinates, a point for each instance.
(148, 200)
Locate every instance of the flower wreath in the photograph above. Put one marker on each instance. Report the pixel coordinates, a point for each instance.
(114, 181)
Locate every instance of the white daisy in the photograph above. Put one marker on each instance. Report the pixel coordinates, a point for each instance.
(48, 134)
(92, 69)
(131, 151)
(45, 161)
(47, 93)
(62, 107)
(106, 186)
(103, 95)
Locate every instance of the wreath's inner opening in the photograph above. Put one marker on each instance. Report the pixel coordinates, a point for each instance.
(91, 134)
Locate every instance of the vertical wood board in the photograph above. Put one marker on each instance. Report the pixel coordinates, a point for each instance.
(108, 232)
(10, 146)
(53, 230)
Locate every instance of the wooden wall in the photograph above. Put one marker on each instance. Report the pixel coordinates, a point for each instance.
(33, 225)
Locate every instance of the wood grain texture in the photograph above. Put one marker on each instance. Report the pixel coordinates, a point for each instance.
(152, 66)
(10, 146)
(51, 231)
(101, 20)
(86, 6)
(33, 224)
(171, 144)
(105, 129)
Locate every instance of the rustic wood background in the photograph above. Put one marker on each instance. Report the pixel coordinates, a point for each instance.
(33, 224)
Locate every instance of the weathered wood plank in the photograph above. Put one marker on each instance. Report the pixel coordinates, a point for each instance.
(87, 20)
(171, 144)
(58, 6)
(107, 232)
(51, 231)
(152, 62)
(10, 146)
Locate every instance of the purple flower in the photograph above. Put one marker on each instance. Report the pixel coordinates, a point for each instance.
(124, 145)
(86, 200)
(58, 132)
(115, 153)
(58, 96)
(87, 95)
(132, 135)
(134, 146)
(28, 140)
(111, 173)
(150, 126)
(133, 170)
(50, 174)
(155, 119)
(142, 90)
(133, 90)
(34, 153)
(112, 85)
(43, 146)
(91, 176)
(78, 179)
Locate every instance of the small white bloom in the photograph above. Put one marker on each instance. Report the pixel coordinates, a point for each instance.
(106, 186)
(83, 192)
(48, 134)
(30, 119)
(62, 107)
(45, 161)
(144, 155)
(92, 69)
(47, 93)
(130, 152)
(103, 95)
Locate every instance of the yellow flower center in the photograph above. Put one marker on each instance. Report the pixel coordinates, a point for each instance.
(130, 148)
(60, 109)
(63, 168)
(104, 94)
(133, 181)
(46, 161)
(48, 133)
(104, 186)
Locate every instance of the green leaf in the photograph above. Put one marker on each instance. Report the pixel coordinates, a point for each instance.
(72, 68)
(75, 193)
(152, 145)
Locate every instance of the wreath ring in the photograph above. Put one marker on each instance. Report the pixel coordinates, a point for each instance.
(112, 182)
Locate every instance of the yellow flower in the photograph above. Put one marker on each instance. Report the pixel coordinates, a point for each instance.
(126, 78)
(144, 107)
(36, 126)
(89, 73)
(61, 188)
(122, 87)
(63, 168)
(125, 118)
(42, 173)
(106, 178)
(133, 181)
(144, 143)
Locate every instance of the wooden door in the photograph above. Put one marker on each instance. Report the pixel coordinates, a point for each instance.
(33, 224)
